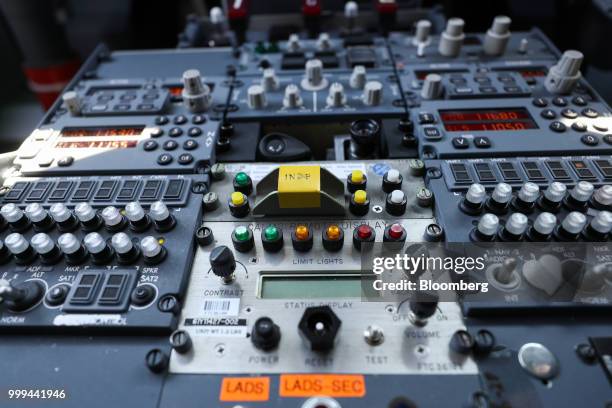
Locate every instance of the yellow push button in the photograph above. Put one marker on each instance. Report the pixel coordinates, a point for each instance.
(357, 176)
(360, 196)
(237, 198)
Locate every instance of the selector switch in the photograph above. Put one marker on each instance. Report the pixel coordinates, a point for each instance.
(515, 227)
(553, 197)
(543, 227)
(360, 203)
(497, 36)
(500, 197)
(20, 248)
(239, 204)
(100, 252)
(256, 97)
(526, 197)
(372, 93)
(602, 198)
(292, 98)
(163, 220)
(196, 94)
(579, 196)
(486, 230)
(139, 221)
(336, 97)
(422, 307)
(89, 218)
(152, 251)
(563, 76)
(432, 87)
(223, 263)
(45, 247)
(293, 43)
(474, 199)
(396, 203)
(39, 217)
(452, 38)
(358, 77)
(313, 78)
(63, 217)
(269, 81)
(600, 227)
(16, 219)
(73, 103)
(127, 252)
(70, 245)
(113, 219)
(571, 227)
(392, 180)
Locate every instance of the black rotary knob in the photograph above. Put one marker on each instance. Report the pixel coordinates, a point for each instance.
(423, 306)
(223, 263)
(365, 137)
(265, 334)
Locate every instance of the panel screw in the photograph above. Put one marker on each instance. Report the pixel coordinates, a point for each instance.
(168, 304)
(156, 360)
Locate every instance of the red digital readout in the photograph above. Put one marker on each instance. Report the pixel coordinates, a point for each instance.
(102, 131)
(175, 90)
(530, 73)
(479, 120)
(101, 144)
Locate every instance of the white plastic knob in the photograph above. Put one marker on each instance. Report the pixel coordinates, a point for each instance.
(393, 176)
(134, 212)
(529, 192)
(150, 247)
(292, 99)
(59, 212)
(574, 222)
(582, 192)
(84, 212)
(11, 212)
(545, 223)
(111, 216)
(476, 193)
(159, 211)
(555, 192)
(336, 97)
(432, 87)
(452, 38)
(517, 224)
(256, 97)
(602, 222)
(323, 42)
(68, 243)
(497, 36)
(488, 224)
(502, 193)
(397, 197)
(373, 93)
(422, 30)
(35, 212)
(94, 243)
(358, 77)
(16, 243)
(42, 243)
(269, 81)
(563, 76)
(73, 102)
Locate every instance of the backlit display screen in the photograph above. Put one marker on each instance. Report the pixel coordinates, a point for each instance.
(98, 144)
(102, 131)
(475, 120)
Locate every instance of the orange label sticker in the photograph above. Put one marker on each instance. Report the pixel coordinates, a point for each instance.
(245, 389)
(330, 385)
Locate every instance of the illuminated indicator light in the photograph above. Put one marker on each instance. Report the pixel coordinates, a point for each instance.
(242, 179)
(161, 241)
(357, 176)
(360, 196)
(271, 233)
(301, 232)
(241, 233)
(396, 231)
(364, 231)
(237, 198)
(333, 232)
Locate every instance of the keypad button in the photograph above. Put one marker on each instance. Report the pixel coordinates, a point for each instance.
(589, 139)
(548, 114)
(157, 132)
(194, 132)
(170, 145)
(180, 119)
(579, 126)
(432, 132)
(161, 120)
(608, 139)
(559, 101)
(557, 126)
(190, 144)
(164, 159)
(569, 113)
(539, 102)
(579, 101)
(185, 158)
(150, 145)
(460, 143)
(198, 119)
(590, 113)
(482, 142)
(175, 132)
(65, 161)
(426, 118)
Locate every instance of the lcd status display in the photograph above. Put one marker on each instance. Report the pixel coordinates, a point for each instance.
(475, 120)
(98, 144)
(102, 131)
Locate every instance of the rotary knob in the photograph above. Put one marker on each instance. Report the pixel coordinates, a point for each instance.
(515, 227)
(323, 42)
(63, 217)
(196, 94)
(223, 263)
(373, 93)
(432, 87)
(579, 196)
(292, 99)
(265, 334)
(563, 76)
(600, 226)
(269, 81)
(336, 97)
(422, 307)
(20, 248)
(487, 227)
(553, 196)
(139, 221)
(422, 30)
(73, 103)
(45, 247)
(127, 252)
(293, 43)
(113, 220)
(497, 36)
(70, 245)
(163, 220)
(89, 218)
(39, 217)
(100, 252)
(526, 197)
(152, 251)
(543, 227)
(15, 217)
(474, 199)
(500, 197)
(256, 97)
(313, 78)
(452, 38)
(358, 77)
(571, 227)
(602, 198)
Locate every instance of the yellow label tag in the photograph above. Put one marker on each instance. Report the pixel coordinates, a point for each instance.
(299, 186)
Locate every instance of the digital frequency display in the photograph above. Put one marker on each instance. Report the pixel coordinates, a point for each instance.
(102, 131)
(98, 144)
(469, 120)
(420, 74)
